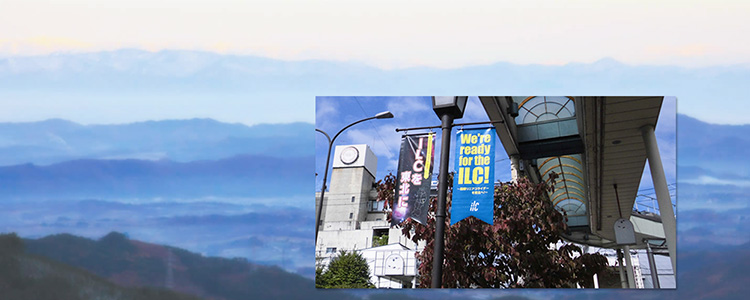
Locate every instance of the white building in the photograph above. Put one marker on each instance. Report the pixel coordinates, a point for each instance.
(352, 217)
(636, 267)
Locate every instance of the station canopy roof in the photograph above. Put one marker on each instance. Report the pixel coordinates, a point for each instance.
(583, 146)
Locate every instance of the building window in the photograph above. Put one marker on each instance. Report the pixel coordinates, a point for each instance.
(330, 250)
(380, 237)
(352, 199)
(375, 205)
(351, 215)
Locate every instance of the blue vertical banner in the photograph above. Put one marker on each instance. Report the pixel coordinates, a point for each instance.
(415, 164)
(474, 181)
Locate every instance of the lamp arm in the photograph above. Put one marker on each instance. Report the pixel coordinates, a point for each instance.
(324, 133)
(350, 125)
(325, 173)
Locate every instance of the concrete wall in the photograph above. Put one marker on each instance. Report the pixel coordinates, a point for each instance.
(348, 194)
(347, 220)
(379, 274)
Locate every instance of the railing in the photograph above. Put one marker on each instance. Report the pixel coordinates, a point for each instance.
(646, 201)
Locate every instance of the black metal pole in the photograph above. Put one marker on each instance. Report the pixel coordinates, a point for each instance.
(437, 262)
(319, 209)
(454, 125)
(325, 173)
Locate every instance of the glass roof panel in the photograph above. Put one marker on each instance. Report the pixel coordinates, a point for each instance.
(565, 174)
(539, 109)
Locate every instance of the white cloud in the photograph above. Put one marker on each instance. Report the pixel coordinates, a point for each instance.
(708, 180)
(56, 139)
(324, 110)
(383, 140)
(405, 106)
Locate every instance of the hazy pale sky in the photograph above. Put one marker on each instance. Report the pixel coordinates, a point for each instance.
(392, 34)
(386, 34)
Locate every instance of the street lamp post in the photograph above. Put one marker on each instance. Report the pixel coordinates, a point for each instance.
(382, 115)
(447, 109)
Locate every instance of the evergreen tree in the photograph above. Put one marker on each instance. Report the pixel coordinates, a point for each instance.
(348, 270)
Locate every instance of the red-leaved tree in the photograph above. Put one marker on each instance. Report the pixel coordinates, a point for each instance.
(522, 249)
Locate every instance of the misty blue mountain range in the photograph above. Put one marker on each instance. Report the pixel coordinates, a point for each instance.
(179, 158)
(57, 176)
(211, 187)
(238, 176)
(714, 149)
(56, 140)
(710, 237)
(298, 82)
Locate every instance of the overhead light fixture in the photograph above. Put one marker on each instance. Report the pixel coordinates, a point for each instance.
(451, 105)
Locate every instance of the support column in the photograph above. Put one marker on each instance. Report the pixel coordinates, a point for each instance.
(662, 192)
(652, 266)
(623, 280)
(629, 266)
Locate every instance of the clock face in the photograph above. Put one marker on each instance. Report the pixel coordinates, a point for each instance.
(349, 155)
(394, 265)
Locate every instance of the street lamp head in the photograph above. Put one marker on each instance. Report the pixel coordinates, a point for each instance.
(384, 115)
(451, 105)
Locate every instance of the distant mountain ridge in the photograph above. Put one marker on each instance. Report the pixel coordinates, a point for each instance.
(138, 264)
(718, 149)
(180, 69)
(57, 140)
(177, 63)
(129, 70)
(29, 276)
(238, 176)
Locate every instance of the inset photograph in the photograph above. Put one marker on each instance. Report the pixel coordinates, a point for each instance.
(495, 192)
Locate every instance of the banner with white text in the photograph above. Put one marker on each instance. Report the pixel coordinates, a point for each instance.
(474, 181)
(412, 199)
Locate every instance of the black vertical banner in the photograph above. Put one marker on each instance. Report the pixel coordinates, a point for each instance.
(414, 177)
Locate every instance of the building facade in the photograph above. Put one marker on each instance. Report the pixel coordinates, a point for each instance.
(353, 219)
